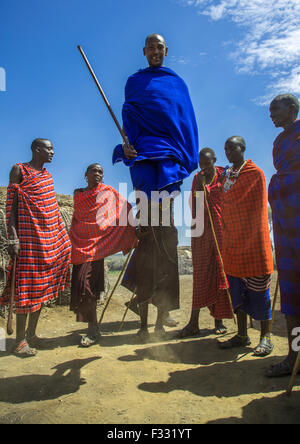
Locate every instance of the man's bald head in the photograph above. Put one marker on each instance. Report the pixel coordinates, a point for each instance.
(284, 110)
(155, 37)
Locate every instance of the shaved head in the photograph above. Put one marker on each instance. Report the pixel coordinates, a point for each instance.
(237, 140)
(154, 37)
(288, 100)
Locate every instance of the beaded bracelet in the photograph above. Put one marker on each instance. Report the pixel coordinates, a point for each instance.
(13, 242)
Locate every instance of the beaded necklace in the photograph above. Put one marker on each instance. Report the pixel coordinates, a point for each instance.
(235, 174)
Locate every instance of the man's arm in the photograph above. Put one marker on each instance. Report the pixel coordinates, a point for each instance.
(14, 249)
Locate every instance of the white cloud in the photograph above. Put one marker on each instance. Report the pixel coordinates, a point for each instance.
(270, 41)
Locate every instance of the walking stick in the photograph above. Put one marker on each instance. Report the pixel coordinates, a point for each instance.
(274, 301)
(293, 377)
(219, 252)
(123, 135)
(12, 298)
(117, 282)
(127, 308)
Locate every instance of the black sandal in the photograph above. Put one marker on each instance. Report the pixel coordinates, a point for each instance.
(186, 332)
(235, 342)
(265, 346)
(284, 368)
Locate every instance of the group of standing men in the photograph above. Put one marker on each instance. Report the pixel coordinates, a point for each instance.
(161, 149)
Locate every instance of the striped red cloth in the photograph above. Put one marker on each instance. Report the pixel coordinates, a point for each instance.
(45, 250)
(100, 224)
(209, 283)
(247, 250)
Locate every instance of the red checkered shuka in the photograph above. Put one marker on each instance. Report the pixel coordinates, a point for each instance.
(247, 250)
(100, 225)
(43, 264)
(209, 283)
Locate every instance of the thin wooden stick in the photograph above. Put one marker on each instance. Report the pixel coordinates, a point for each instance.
(219, 252)
(293, 377)
(127, 308)
(274, 302)
(123, 135)
(9, 328)
(117, 282)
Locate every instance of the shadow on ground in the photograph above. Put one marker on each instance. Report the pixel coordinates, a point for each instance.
(66, 380)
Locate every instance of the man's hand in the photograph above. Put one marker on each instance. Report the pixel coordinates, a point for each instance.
(14, 249)
(201, 181)
(129, 151)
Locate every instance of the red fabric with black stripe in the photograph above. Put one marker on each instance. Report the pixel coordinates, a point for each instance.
(209, 283)
(43, 263)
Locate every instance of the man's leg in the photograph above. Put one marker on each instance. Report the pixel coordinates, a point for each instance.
(241, 339)
(265, 347)
(192, 328)
(22, 347)
(143, 333)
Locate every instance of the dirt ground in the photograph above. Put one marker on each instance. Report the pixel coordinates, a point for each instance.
(121, 382)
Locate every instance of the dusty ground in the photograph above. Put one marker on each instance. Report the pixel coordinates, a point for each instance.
(177, 381)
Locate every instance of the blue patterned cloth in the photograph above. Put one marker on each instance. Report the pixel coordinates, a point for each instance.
(160, 123)
(284, 198)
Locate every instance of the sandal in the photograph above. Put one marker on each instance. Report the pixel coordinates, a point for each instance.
(88, 341)
(170, 322)
(284, 368)
(236, 341)
(160, 333)
(186, 332)
(264, 348)
(24, 351)
(220, 328)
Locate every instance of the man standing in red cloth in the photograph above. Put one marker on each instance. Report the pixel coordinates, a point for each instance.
(209, 282)
(99, 229)
(38, 240)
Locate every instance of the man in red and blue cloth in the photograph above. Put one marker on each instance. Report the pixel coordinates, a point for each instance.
(284, 198)
(159, 121)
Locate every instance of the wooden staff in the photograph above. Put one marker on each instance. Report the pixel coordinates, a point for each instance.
(9, 328)
(274, 301)
(218, 249)
(121, 131)
(293, 377)
(117, 282)
(127, 308)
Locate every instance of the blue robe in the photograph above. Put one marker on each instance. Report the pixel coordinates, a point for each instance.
(160, 123)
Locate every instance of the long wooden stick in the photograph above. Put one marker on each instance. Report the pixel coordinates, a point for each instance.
(9, 328)
(274, 301)
(117, 282)
(127, 308)
(123, 135)
(219, 252)
(293, 377)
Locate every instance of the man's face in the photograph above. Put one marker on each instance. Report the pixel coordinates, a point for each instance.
(233, 151)
(45, 151)
(155, 51)
(207, 162)
(281, 113)
(94, 175)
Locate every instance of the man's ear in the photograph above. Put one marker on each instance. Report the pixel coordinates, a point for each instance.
(166, 52)
(144, 51)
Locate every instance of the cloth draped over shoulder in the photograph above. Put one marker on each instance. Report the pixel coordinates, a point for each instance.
(284, 198)
(100, 224)
(43, 263)
(209, 282)
(247, 250)
(160, 123)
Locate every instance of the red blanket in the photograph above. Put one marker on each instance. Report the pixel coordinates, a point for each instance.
(44, 259)
(209, 284)
(100, 224)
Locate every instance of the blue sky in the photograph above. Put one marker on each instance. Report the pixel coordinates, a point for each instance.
(233, 54)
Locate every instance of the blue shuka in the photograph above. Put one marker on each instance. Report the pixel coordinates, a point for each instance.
(284, 198)
(160, 123)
